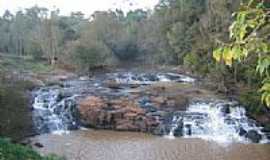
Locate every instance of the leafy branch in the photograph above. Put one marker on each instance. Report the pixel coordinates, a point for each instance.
(246, 40)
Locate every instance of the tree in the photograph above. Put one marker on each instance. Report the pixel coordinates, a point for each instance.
(48, 35)
(250, 37)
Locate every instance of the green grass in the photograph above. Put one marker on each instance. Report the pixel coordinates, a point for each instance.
(9, 151)
(23, 64)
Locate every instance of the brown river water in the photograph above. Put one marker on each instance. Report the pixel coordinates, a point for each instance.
(110, 145)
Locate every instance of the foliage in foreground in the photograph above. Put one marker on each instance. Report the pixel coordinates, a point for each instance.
(9, 151)
(250, 38)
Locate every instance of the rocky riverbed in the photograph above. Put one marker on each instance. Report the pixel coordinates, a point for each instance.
(161, 103)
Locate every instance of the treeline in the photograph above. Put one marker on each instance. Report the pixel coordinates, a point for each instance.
(175, 32)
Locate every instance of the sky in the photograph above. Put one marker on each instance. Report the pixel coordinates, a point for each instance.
(86, 6)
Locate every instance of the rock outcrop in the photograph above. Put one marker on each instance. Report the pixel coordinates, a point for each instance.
(146, 110)
(121, 114)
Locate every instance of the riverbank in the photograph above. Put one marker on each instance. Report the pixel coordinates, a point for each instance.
(10, 151)
(19, 75)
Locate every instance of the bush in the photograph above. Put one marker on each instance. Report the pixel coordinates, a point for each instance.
(9, 151)
(191, 60)
(15, 114)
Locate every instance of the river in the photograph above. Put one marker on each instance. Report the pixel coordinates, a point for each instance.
(110, 145)
(208, 129)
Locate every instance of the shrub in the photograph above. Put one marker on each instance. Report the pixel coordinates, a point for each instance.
(9, 151)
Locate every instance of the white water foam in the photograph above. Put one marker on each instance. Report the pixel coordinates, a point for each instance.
(131, 78)
(50, 112)
(207, 121)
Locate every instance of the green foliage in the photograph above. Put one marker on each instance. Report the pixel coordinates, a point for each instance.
(251, 99)
(24, 63)
(164, 36)
(89, 57)
(266, 91)
(250, 20)
(191, 60)
(9, 151)
(12, 102)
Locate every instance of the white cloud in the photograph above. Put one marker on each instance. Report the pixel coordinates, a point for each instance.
(67, 6)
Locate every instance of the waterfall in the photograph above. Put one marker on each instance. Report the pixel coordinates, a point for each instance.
(53, 113)
(218, 121)
(55, 109)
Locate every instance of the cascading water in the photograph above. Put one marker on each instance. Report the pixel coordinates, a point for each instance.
(131, 78)
(53, 113)
(176, 124)
(55, 109)
(218, 121)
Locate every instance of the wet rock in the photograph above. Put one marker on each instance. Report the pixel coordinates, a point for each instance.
(134, 85)
(144, 102)
(161, 130)
(119, 114)
(170, 103)
(268, 135)
(178, 102)
(150, 109)
(254, 136)
(188, 128)
(151, 77)
(73, 126)
(226, 109)
(158, 101)
(113, 84)
(178, 132)
(126, 126)
(266, 128)
(39, 145)
(242, 132)
(157, 114)
(263, 120)
(173, 77)
(26, 142)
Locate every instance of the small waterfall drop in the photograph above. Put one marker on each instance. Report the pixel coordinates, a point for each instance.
(219, 121)
(52, 112)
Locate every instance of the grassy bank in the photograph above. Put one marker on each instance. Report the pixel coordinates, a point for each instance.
(9, 151)
(21, 64)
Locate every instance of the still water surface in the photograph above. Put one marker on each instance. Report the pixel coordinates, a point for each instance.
(110, 145)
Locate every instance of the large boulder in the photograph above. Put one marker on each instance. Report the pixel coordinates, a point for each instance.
(254, 136)
(113, 84)
(120, 114)
(148, 109)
